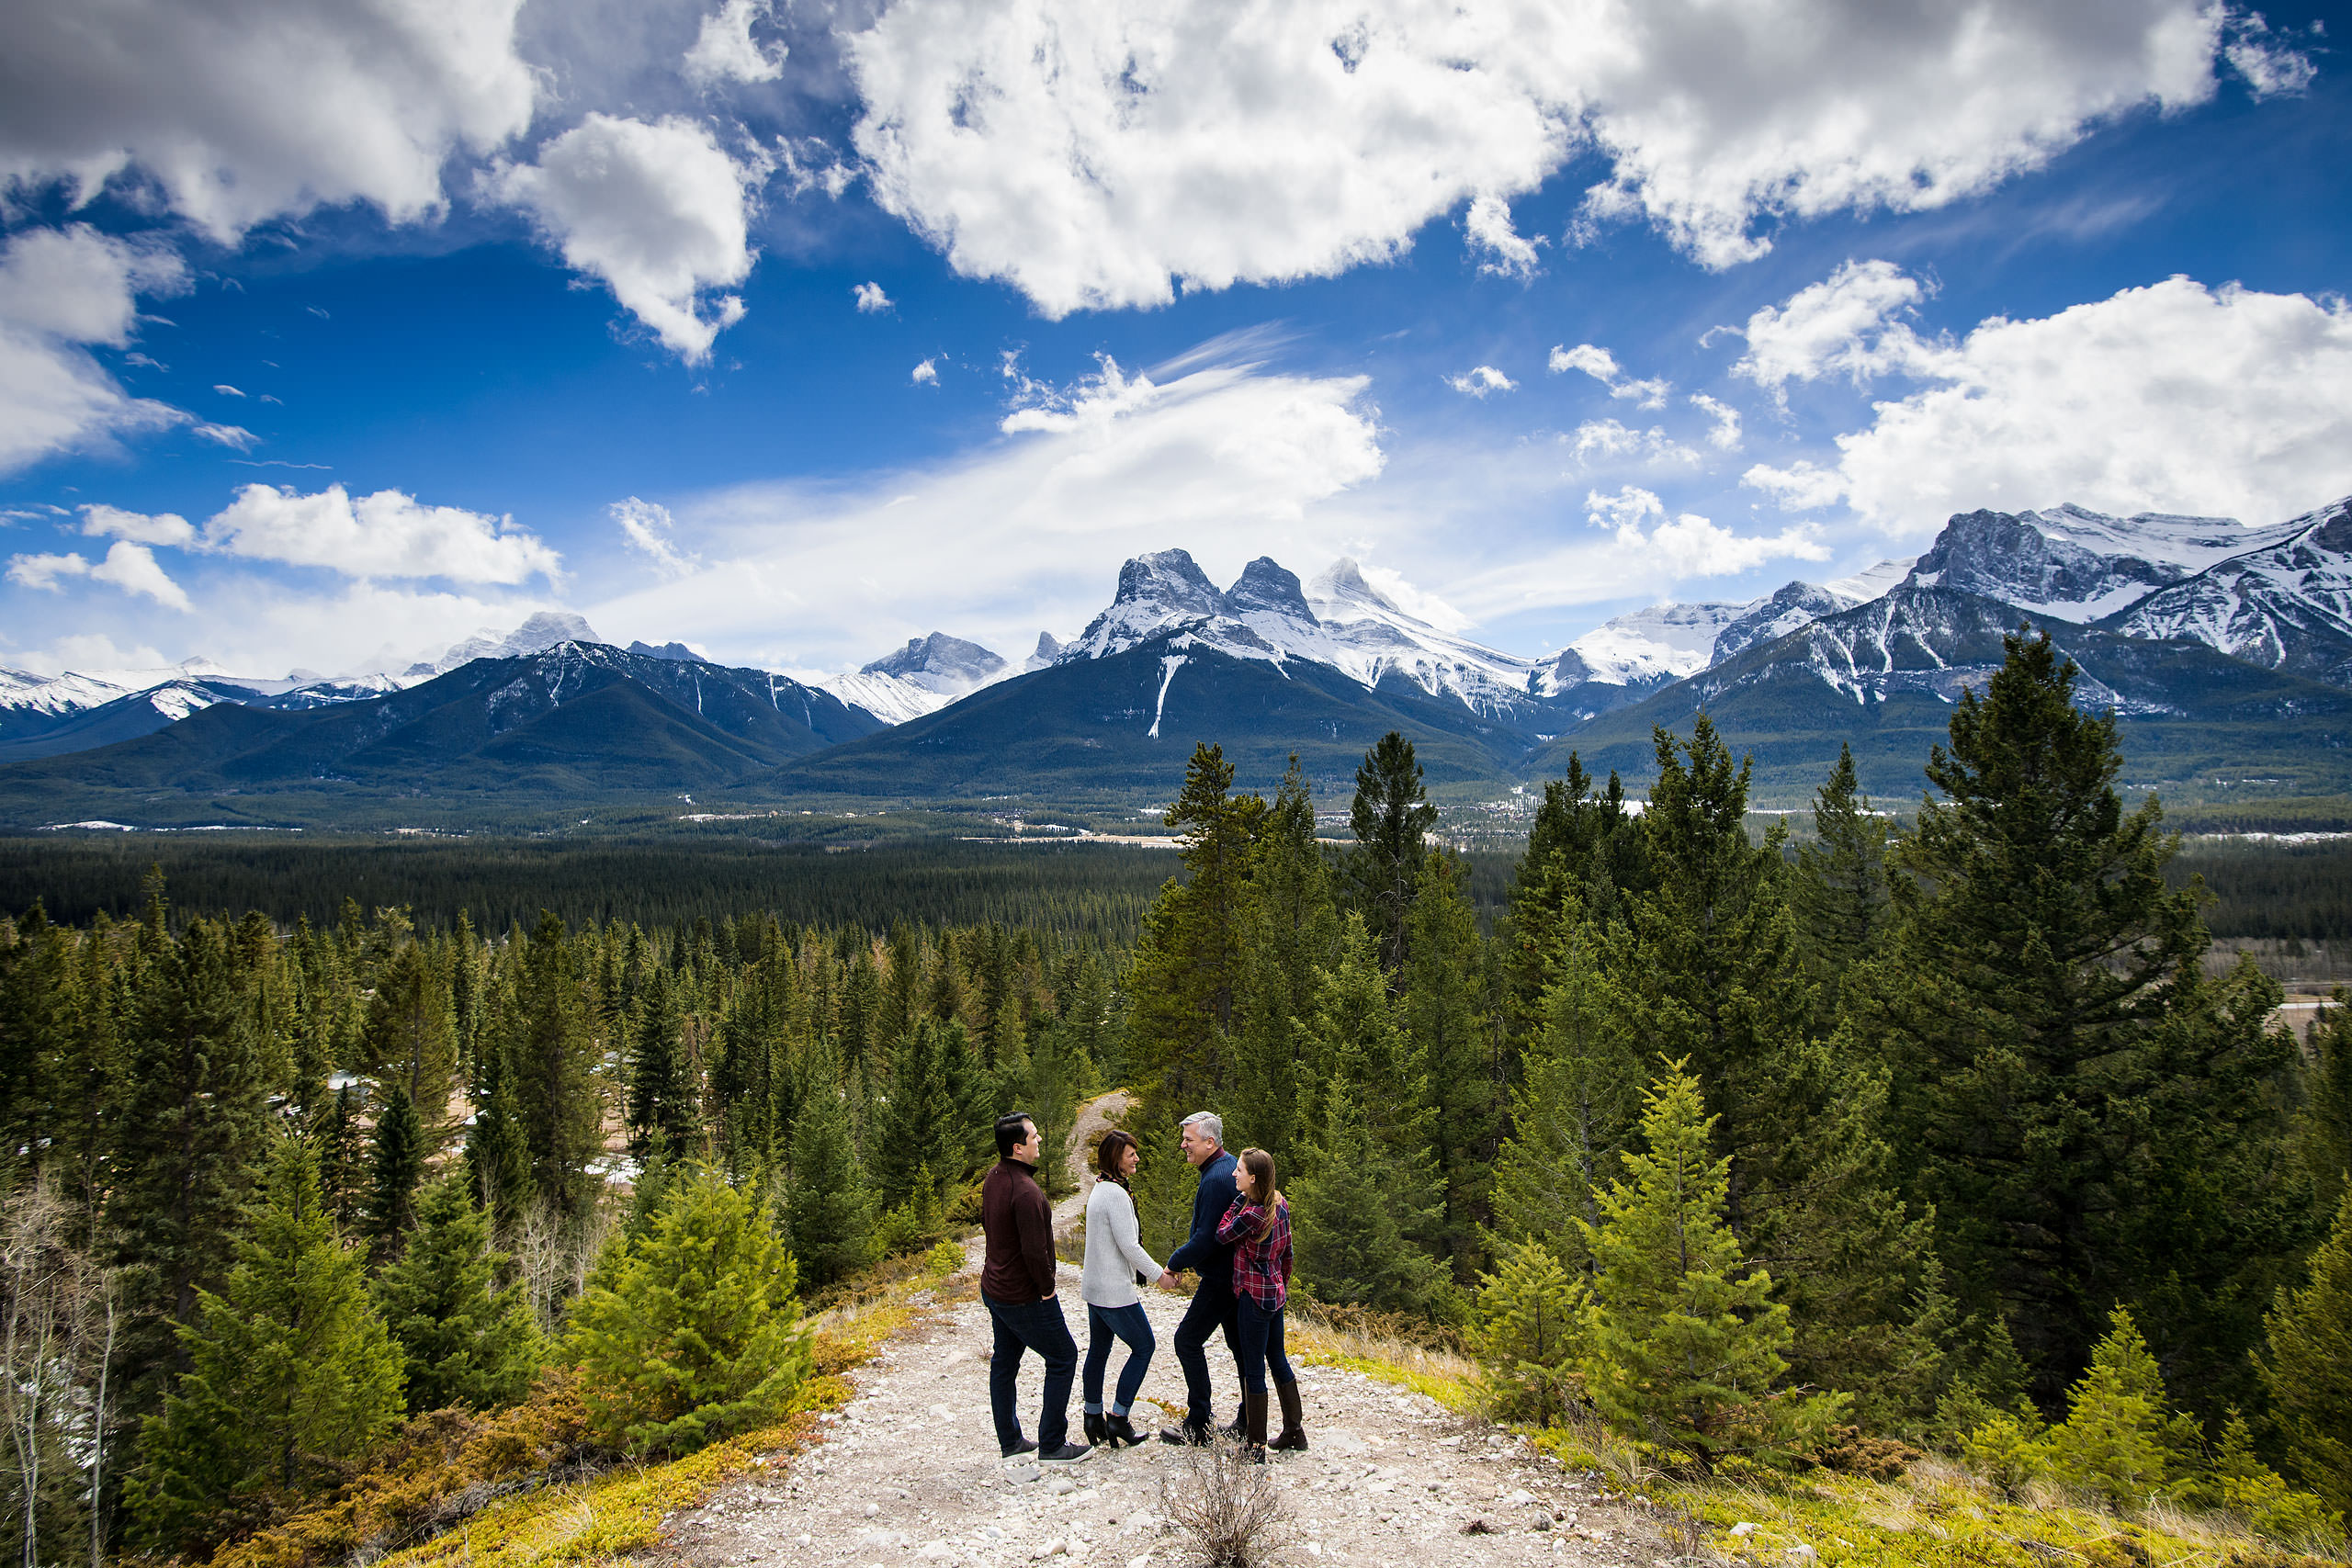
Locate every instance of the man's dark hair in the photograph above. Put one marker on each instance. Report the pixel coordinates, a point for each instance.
(1011, 1133)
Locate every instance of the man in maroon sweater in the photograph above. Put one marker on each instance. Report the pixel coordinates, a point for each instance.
(1017, 1283)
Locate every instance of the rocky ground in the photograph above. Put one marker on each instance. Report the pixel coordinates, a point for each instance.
(909, 1472)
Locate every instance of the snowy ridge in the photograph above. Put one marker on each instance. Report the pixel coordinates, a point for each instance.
(2079, 565)
(922, 677)
(2286, 604)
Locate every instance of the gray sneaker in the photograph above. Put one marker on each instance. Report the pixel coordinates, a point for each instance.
(1068, 1453)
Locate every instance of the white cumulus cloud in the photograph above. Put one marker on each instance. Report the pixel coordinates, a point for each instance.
(239, 110)
(2170, 398)
(161, 528)
(870, 299)
(647, 528)
(1602, 367)
(724, 49)
(1607, 439)
(1725, 436)
(1100, 153)
(387, 534)
(925, 373)
(656, 210)
(129, 567)
(61, 290)
(1688, 545)
(1854, 323)
(1488, 226)
(1481, 379)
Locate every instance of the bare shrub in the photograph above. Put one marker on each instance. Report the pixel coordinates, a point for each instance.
(1229, 1510)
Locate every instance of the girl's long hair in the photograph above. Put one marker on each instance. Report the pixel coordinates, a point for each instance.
(1261, 1166)
(1107, 1154)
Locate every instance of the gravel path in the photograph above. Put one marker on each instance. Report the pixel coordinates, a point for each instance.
(907, 1472)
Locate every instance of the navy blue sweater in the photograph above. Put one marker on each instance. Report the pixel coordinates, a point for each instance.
(1202, 1253)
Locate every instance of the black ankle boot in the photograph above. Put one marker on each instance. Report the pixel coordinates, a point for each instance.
(1097, 1432)
(1123, 1434)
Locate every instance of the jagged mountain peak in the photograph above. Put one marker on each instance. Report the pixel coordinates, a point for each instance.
(938, 660)
(1169, 578)
(1048, 651)
(1343, 583)
(1266, 587)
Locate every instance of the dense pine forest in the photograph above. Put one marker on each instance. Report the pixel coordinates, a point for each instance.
(1759, 1151)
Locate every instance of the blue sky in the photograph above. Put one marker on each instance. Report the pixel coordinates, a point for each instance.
(559, 305)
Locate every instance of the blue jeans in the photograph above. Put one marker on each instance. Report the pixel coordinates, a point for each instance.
(1260, 1345)
(1037, 1327)
(1210, 1309)
(1131, 1324)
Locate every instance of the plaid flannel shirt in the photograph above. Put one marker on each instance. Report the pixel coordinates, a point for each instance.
(1261, 1264)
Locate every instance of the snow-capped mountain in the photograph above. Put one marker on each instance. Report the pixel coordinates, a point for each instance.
(23, 693)
(1343, 621)
(922, 677)
(536, 635)
(2284, 604)
(1048, 648)
(2079, 565)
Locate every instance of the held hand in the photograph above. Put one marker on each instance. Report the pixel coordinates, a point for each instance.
(1167, 1280)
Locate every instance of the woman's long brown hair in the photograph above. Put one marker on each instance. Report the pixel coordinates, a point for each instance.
(1106, 1156)
(1261, 1166)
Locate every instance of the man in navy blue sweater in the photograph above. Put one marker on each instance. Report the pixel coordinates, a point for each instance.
(1212, 1306)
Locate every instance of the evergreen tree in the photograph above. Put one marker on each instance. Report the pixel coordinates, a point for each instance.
(551, 1052)
(2092, 1119)
(1530, 1335)
(830, 1207)
(1840, 891)
(1189, 961)
(408, 1041)
(290, 1377)
(2120, 1438)
(1055, 1084)
(1354, 1217)
(1448, 1037)
(920, 1137)
(1291, 931)
(2307, 1367)
(498, 1156)
(2323, 1130)
(1583, 862)
(342, 1182)
(1683, 1349)
(1576, 1107)
(397, 1165)
(1391, 817)
(694, 1333)
(662, 1095)
(193, 1131)
(465, 1342)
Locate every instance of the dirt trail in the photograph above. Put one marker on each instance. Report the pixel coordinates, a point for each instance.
(907, 1472)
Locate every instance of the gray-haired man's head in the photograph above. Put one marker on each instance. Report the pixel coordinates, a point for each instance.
(1203, 1136)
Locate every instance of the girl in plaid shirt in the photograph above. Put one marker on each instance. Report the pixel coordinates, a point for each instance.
(1257, 1227)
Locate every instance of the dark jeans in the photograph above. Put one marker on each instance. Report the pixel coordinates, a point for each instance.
(1211, 1309)
(1131, 1324)
(1037, 1327)
(1261, 1335)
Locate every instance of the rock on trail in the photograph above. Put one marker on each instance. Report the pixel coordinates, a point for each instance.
(907, 1472)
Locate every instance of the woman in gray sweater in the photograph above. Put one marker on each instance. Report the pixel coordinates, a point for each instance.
(1116, 1264)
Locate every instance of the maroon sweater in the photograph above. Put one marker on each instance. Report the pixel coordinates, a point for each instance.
(1019, 1225)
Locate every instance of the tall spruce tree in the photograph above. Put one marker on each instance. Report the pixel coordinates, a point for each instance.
(409, 1041)
(1583, 861)
(1841, 892)
(551, 1051)
(2092, 1118)
(830, 1207)
(464, 1340)
(661, 1090)
(498, 1154)
(396, 1166)
(1189, 961)
(1577, 1104)
(1292, 931)
(192, 1136)
(1391, 817)
(290, 1376)
(2324, 1127)
(1450, 1038)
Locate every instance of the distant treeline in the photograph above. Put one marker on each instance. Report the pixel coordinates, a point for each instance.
(1090, 893)
(2270, 889)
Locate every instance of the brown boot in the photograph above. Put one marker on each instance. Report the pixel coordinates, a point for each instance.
(1253, 1413)
(1293, 1434)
